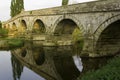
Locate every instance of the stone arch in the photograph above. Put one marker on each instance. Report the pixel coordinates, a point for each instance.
(76, 21)
(38, 26)
(8, 26)
(23, 26)
(104, 25)
(4, 26)
(68, 29)
(23, 23)
(65, 26)
(14, 27)
(107, 36)
(13, 30)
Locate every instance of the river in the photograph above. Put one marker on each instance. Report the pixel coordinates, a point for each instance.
(35, 62)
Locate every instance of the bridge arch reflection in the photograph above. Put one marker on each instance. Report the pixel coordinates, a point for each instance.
(48, 62)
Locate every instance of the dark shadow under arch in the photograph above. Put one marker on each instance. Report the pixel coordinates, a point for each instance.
(14, 27)
(23, 24)
(65, 26)
(109, 40)
(14, 24)
(38, 26)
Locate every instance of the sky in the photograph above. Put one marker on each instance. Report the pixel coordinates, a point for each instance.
(32, 5)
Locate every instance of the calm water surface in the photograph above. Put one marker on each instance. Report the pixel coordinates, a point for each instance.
(34, 62)
(6, 70)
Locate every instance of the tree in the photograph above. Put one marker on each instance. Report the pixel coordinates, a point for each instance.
(65, 2)
(0, 24)
(16, 7)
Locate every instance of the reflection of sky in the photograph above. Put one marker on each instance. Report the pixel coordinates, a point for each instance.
(6, 69)
(5, 66)
(78, 62)
(28, 75)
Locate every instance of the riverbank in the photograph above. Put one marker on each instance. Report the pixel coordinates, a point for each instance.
(110, 71)
(6, 43)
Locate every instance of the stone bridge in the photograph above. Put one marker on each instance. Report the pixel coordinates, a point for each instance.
(98, 23)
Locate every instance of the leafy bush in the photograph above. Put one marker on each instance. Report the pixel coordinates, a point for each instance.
(77, 35)
(109, 72)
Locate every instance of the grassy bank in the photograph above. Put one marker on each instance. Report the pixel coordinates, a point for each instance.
(111, 71)
(6, 43)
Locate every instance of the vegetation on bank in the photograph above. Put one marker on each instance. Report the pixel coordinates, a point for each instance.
(6, 43)
(109, 72)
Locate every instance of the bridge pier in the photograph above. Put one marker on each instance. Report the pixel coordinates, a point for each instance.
(88, 47)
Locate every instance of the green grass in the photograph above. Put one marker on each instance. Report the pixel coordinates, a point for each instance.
(111, 71)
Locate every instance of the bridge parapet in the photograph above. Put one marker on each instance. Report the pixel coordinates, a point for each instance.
(89, 7)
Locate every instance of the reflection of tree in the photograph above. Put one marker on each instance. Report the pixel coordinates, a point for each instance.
(16, 67)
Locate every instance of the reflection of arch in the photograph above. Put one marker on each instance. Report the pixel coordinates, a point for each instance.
(109, 38)
(39, 26)
(23, 24)
(66, 67)
(39, 55)
(24, 52)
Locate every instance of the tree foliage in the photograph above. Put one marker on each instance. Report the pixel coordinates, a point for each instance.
(65, 2)
(16, 7)
(0, 24)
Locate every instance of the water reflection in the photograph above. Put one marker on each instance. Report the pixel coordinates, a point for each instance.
(50, 63)
(66, 67)
(5, 66)
(38, 55)
(17, 67)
